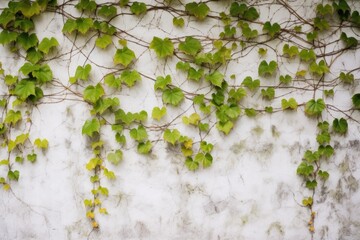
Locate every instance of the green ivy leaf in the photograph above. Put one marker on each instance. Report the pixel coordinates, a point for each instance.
(311, 157)
(7, 37)
(285, 79)
(123, 3)
(206, 147)
(90, 127)
(292, 51)
(271, 29)
(173, 96)
(139, 134)
(162, 82)
(44, 143)
(225, 127)
(305, 169)
(236, 95)
(130, 77)
(86, 5)
(251, 14)
(33, 56)
(311, 36)
(321, 24)
(124, 56)
(82, 73)
(323, 137)
(251, 84)
(24, 89)
(191, 165)
(323, 11)
(343, 9)
(138, 8)
(115, 157)
(250, 112)
(31, 157)
(178, 22)
(43, 74)
(194, 74)
(307, 202)
(199, 10)
(13, 175)
(102, 105)
(25, 25)
(324, 175)
(307, 55)
(172, 136)
(355, 18)
(350, 42)
(269, 109)
(93, 93)
(83, 25)
(356, 100)
(204, 159)
(104, 41)
(323, 126)
(265, 68)
(121, 116)
(268, 93)
(216, 78)
(6, 17)
(162, 47)
(12, 117)
(29, 9)
(289, 104)
(229, 32)
(347, 77)
(247, 32)
(320, 68)
(314, 108)
(340, 125)
(326, 151)
(27, 41)
(311, 184)
(191, 46)
(113, 82)
(46, 44)
(69, 26)
(262, 51)
(144, 147)
(158, 113)
(107, 11)
(10, 80)
(193, 119)
(237, 9)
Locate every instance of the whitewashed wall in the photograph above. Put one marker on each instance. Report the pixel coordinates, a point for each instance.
(250, 192)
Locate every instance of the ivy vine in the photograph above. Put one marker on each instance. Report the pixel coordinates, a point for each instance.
(196, 81)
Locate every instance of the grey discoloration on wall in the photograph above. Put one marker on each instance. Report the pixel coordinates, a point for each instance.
(275, 231)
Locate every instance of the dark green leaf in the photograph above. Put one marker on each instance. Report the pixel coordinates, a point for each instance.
(340, 125)
(199, 10)
(356, 100)
(138, 8)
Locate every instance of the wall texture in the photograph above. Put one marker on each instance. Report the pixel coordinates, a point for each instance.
(250, 191)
